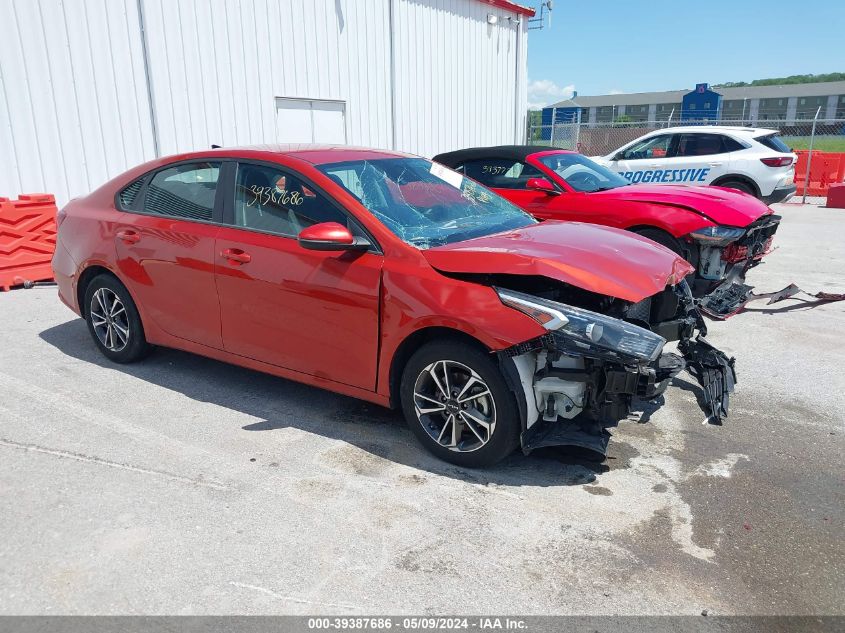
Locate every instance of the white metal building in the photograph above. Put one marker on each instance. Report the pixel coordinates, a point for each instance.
(89, 88)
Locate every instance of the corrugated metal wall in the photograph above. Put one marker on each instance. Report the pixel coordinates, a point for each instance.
(73, 97)
(76, 107)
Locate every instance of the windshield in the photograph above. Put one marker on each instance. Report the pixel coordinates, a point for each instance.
(424, 203)
(581, 173)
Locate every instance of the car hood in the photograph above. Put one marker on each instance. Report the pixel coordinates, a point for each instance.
(720, 206)
(596, 258)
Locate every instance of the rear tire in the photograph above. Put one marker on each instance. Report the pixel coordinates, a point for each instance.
(739, 186)
(113, 320)
(478, 424)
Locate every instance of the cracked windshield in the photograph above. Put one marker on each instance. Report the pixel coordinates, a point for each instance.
(424, 203)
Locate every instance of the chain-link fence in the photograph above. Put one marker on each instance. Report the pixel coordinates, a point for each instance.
(817, 137)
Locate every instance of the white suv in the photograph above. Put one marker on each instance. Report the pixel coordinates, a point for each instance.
(752, 160)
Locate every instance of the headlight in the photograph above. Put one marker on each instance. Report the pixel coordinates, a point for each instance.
(717, 235)
(587, 330)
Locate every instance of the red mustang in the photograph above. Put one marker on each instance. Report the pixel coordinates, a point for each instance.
(386, 277)
(721, 232)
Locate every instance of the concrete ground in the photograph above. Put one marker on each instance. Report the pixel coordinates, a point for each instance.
(181, 485)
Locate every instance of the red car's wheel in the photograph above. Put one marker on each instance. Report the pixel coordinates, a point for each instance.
(113, 320)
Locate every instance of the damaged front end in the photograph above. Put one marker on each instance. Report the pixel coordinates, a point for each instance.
(582, 377)
(725, 255)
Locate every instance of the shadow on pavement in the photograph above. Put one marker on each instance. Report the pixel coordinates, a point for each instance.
(281, 403)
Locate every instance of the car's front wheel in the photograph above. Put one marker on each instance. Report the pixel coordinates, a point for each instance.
(457, 403)
(113, 320)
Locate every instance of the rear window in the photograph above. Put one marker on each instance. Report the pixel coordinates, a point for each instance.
(773, 142)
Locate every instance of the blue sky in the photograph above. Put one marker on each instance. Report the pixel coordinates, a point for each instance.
(645, 45)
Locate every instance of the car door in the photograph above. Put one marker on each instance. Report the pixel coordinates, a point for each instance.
(315, 312)
(646, 160)
(700, 158)
(165, 250)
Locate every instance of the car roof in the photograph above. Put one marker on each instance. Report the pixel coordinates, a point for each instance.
(733, 129)
(510, 152)
(315, 154)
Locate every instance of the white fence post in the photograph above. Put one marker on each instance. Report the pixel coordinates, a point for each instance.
(810, 157)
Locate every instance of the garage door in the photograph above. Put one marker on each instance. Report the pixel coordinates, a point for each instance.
(310, 121)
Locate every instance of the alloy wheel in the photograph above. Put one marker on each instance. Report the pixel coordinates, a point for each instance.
(455, 406)
(109, 319)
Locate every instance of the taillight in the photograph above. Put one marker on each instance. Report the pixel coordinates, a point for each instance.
(781, 161)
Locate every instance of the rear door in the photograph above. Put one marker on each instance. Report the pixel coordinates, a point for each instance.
(701, 158)
(165, 250)
(315, 312)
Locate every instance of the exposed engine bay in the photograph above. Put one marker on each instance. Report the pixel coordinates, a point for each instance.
(582, 377)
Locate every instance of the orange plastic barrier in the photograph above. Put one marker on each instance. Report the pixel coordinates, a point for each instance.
(827, 168)
(27, 239)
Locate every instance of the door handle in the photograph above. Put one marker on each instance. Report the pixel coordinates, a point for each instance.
(715, 164)
(129, 236)
(236, 255)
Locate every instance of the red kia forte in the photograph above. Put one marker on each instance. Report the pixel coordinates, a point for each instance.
(721, 232)
(386, 277)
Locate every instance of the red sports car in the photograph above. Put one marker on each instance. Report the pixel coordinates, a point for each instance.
(721, 232)
(386, 277)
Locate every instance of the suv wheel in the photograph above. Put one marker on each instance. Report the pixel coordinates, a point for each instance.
(457, 403)
(113, 320)
(739, 186)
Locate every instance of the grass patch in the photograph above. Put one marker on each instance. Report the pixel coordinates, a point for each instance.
(822, 143)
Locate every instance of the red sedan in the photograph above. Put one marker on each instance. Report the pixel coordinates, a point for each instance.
(386, 277)
(721, 232)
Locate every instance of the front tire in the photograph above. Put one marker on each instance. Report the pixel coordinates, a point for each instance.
(113, 320)
(457, 403)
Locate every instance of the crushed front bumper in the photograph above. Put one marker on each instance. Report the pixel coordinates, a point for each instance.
(572, 399)
(728, 297)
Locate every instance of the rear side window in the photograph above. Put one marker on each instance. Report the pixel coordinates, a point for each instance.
(127, 196)
(275, 201)
(773, 142)
(501, 173)
(705, 145)
(185, 191)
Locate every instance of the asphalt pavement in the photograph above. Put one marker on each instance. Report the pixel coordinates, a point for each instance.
(181, 485)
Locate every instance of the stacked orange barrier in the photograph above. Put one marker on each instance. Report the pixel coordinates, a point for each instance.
(827, 168)
(27, 239)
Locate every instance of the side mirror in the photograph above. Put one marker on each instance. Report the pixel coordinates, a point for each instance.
(331, 236)
(542, 184)
(618, 156)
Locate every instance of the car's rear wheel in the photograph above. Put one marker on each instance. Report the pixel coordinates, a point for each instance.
(457, 403)
(739, 186)
(113, 320)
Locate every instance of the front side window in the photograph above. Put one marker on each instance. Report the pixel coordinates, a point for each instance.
(184, 191)
(654, 147)
(581, 173)
(426, 204)
(500, 173)
(275, 201)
